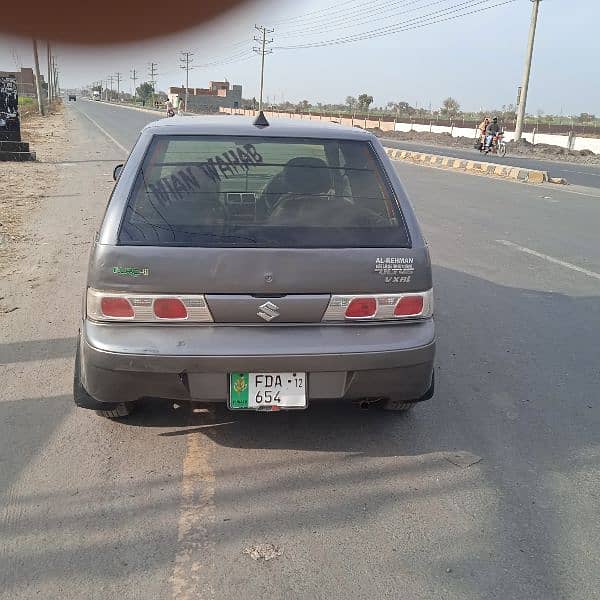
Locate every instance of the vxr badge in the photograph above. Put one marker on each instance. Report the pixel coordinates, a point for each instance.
(268, 311)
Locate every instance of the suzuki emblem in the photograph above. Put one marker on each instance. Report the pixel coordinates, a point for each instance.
(268, 311)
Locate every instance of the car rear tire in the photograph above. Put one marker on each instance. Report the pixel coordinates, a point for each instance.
(117, 412)
(396, 405)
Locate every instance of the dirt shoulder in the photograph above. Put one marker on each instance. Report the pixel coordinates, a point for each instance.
(49, 210)
(523, 148)
(26, 184)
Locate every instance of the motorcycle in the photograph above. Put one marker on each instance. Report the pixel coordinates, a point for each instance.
(498, 145)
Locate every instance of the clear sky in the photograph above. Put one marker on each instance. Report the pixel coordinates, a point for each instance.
(477, 58)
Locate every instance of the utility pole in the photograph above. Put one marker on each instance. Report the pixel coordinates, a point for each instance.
(262, 51)
(55, 87)
(152, 74)
(109, 80)
(49, 81)
(118, 77)
(38, 84)
(134, 78)
(186, 60)
(527, 72)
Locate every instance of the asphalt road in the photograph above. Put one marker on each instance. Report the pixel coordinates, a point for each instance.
(490, 490)
(574, 173)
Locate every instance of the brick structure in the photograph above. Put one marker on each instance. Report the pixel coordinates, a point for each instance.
(219, 94)
(25, 81)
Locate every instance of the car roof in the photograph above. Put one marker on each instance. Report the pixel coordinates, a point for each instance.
(244, 126)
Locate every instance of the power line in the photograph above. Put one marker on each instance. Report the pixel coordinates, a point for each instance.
(394, 26)
(344, 14)
(317, 12)
(228, 59)
(361, 19)
(417, 23)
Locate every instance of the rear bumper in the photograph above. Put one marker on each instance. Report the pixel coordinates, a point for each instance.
(125, 362)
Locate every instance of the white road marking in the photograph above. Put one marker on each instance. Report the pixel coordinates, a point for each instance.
(110, 137)
(551, 259)
(581, 172)
(563, 191)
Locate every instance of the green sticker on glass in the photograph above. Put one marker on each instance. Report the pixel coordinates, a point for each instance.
(239, 390)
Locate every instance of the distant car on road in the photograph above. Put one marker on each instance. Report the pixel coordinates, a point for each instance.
(72, 97)
(268, 266)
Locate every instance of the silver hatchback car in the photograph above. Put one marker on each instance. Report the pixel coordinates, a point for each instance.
(268, 266)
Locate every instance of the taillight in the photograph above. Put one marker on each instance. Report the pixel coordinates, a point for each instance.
(146, 308)
(361, 308)
(409, 306)
(170, 308)
(119, 308)
(380, 307)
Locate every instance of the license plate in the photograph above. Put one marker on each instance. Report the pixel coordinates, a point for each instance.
(267, 391)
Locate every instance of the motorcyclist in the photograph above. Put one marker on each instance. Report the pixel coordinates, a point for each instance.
(483, 127)
(169, 108)
(491, 132)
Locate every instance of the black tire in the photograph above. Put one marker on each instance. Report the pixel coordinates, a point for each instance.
(403, 405)
(117, 412)
(396, 405)
(82, 399)
(501, 150)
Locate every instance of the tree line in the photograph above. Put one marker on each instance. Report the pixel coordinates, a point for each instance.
(449, 109)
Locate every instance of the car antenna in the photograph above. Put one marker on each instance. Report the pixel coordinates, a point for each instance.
(261, 120)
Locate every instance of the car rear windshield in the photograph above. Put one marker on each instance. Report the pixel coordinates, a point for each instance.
(262, 192)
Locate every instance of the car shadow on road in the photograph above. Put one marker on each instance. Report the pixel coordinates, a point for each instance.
(516, 387)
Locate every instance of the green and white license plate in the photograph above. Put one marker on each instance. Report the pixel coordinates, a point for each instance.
(267, 391)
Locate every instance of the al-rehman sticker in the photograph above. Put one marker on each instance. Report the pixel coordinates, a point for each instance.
(395, 269)
(131, 271)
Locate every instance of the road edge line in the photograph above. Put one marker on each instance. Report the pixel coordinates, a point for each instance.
(110, 137)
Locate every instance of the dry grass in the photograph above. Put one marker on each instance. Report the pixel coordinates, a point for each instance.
(24, 185)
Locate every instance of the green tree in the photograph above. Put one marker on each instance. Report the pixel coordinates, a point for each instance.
(144, 92)
(402, 108)
(586, 118)
(450, 107)
(350, 102)
(364, 101)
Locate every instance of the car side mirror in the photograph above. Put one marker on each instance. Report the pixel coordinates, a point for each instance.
(117, 172)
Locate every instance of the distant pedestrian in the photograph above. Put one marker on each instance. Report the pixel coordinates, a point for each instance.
(180, 107)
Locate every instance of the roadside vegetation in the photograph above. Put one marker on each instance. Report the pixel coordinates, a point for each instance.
(362, 105)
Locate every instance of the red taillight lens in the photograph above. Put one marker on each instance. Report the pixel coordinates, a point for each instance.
(170, 308)
(361, 308)
(408, 306)
(116, 307)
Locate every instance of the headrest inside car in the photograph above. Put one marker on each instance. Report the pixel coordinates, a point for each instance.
(307, 175)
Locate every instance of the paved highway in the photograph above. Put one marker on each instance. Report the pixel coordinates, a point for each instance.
(488, 491)
(574, 173)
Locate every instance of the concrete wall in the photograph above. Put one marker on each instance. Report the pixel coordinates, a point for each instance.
(577, 143)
